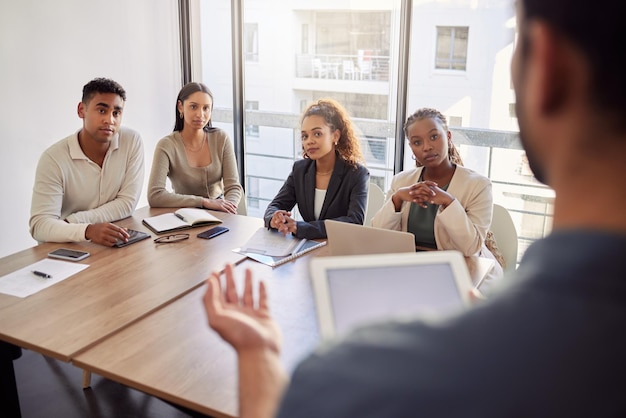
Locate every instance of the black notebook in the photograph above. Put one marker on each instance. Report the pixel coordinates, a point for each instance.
(272, 248)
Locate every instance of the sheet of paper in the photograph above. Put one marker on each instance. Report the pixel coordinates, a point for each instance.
(269, 242)
(24, 282)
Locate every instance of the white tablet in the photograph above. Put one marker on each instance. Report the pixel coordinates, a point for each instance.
(353, 290)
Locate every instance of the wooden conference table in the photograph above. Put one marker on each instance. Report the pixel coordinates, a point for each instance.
(135, 315)
(120, 286)
(172, 353)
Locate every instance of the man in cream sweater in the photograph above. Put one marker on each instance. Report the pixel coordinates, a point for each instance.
(91, 178)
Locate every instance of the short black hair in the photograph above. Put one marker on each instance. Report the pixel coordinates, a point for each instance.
(102, 85)
(596, 28)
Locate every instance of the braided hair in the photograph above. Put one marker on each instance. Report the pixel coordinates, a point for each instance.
(426, 112)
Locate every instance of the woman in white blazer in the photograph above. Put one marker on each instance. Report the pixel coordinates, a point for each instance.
(445, 205)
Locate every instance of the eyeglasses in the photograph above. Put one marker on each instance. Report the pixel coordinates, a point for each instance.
(171, 238)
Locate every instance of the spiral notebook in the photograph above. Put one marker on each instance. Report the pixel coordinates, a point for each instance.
(272, 248)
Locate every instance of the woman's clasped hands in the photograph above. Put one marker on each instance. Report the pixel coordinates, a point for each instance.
(422, 193)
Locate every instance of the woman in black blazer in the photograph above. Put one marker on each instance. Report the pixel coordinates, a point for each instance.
(329, 183)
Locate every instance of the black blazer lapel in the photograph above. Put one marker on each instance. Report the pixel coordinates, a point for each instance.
(308, 211)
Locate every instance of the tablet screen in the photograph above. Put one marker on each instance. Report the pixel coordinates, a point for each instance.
(359, 295)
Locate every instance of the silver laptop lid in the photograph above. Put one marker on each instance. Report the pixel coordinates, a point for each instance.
(352, 239)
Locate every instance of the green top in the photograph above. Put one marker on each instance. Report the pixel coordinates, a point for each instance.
(421, 223)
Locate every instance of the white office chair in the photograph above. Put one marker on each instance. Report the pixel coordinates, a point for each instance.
(375, 201)
(505, 234)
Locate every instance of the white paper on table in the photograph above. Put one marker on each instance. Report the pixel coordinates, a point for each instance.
(23, 282)
(272, 243)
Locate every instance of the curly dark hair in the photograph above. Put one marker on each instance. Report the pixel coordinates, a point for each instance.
(185, 92)
(426, 112)
(337, 117)
(102, 85)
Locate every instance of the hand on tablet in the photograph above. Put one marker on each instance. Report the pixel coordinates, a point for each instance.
(239, 321)
(106, 234)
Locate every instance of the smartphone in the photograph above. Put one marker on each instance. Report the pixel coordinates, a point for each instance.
(66, 254)
(213, 232)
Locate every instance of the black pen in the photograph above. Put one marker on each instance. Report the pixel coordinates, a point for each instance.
(41, 274)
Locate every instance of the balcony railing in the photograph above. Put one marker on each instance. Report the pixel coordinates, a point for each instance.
(362, 66)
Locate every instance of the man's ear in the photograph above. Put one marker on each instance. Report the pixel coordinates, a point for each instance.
(81, 110)
(552, 61)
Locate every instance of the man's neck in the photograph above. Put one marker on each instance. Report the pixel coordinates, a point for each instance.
(94, 150)
(591, 196)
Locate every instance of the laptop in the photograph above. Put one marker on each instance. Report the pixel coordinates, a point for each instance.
(353, 290)
(353, 239)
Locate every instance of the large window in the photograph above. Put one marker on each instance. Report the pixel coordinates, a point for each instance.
(293, 56)
(470, 84)
(297, 52)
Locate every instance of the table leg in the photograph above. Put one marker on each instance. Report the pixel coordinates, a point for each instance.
(9, 398)
(86, 379)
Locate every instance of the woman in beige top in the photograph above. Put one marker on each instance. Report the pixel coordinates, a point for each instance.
(198, 159)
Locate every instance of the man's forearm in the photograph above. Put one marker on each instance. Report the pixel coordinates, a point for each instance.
(262, 380)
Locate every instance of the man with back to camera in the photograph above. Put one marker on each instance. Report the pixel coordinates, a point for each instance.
(547, 344)
(91, 178)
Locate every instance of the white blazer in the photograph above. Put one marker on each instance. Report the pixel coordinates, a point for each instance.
(462, 226)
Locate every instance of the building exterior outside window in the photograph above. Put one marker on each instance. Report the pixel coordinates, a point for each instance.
(451, 48)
